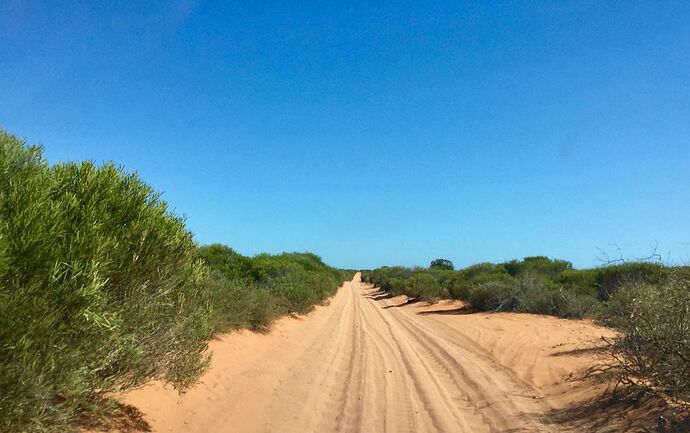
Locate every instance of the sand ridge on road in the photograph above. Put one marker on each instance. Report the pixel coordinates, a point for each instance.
(363, 364)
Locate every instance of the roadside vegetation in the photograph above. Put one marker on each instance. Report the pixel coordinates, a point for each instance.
(653, 350)
(250, 292)
(102, 288)
(648, 303)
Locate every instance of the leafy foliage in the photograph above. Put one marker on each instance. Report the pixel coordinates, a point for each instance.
(442, 264)
(653, 349)
(102, 288)
(99, 289)
(611, 278)
(538, 265)
(250, 292)
(533, 285)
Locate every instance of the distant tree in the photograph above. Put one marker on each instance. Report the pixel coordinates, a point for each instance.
(442, 264)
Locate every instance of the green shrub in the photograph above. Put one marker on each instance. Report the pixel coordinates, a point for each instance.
(295, 296)
(382, 277)
(610, 278)
(579, 306)
(99, 289)
(239, 304)
(423, 286)
(300, 280)
(224, 260)
(537, 265)
(491, 296)
(442, 264)
(534, 297)
(581, 281)
(250, 292)
(458, 289)
(447, 281)
(540, 285)
(653, 349)
(535, 284)
(483, 272)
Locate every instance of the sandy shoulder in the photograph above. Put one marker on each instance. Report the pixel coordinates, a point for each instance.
(246, 369)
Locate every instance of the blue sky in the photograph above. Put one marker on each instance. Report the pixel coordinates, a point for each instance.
(374, 133)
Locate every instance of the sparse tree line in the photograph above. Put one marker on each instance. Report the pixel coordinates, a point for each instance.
(648, 303)
(102, 289)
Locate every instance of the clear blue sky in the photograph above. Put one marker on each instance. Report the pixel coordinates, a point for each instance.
(374, 133)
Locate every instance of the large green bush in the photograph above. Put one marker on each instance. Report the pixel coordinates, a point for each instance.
(653, 348)
(240, 303)
(250, 292)
(491, 295)
(610, 279)
(442, 264)
(99, 289)
(382, 277)
(581, 281)
(422, 286)
(537, 265)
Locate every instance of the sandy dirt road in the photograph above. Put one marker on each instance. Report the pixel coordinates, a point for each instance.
(366, 364)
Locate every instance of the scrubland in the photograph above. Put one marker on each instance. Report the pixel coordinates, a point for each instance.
(646, 302)
(103, 288)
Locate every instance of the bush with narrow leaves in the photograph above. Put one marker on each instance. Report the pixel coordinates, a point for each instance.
(653, 348)
(251, 292)
(99, 290)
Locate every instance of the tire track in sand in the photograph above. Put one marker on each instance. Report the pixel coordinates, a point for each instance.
(372, 369)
